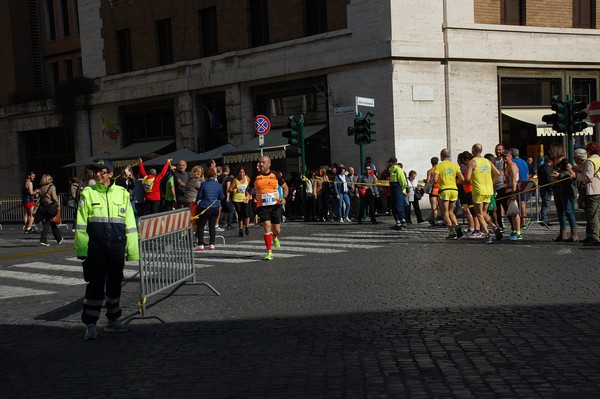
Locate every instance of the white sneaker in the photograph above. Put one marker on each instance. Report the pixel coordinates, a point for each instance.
(348, 220)
(219, 228)
(199, 248)
(212, 247)
(341, 220)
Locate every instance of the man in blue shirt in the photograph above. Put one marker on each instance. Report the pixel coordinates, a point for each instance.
(523, 180)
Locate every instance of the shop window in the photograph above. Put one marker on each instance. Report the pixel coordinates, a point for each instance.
(529, 92)
(148, 122)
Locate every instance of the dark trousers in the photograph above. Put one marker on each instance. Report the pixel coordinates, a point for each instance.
(417, 208)
(367, 203)
(308, 206)
(209, 216)
(500, 204)
(55, 231)
(546, 196)
(151, 207)
(102, 270)
(397, 199)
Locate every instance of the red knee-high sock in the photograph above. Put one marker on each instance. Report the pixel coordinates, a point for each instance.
(268, 241)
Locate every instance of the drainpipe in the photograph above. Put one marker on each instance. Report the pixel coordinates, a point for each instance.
(446, 78)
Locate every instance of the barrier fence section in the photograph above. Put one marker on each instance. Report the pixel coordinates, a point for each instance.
(11, 209)
(166, 254)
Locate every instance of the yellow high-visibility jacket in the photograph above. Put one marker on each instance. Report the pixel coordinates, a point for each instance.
(105, 222)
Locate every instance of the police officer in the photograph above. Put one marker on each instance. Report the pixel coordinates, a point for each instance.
(105, 232)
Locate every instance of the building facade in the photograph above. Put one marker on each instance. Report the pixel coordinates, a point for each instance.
(441, 73)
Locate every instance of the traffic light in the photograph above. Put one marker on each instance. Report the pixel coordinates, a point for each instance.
(559, 120)
(578, 115)
(292, 134)
(369, 123)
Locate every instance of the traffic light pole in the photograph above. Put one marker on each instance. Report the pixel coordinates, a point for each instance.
(302, 147)
(362, 158)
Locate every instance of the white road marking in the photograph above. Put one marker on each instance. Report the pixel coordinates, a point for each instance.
(64, 268)
(214, 254)
(41, 278)
(290, 242)
(17, 292)
(290, 248)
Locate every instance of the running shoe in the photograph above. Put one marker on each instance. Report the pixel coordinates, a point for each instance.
(212, 247)
(498, 234)
(45, 244)
(91, 333)
(348, 220)
(487, 240)
(219, 229)
(115, 326)
(199, 248)
(247, 231)
(458, 230)
(341, 220)
(451, 236)
(276, 243)
(269, 256)
(515, 236)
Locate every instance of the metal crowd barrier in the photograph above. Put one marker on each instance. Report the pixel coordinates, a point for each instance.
(166, 255)
(11, 209)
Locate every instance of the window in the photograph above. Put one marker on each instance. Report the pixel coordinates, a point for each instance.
(124, 48)
(259, 22)
(68, 69)
(209, 32)
(512, 12)
(165, 42)
(50, 20)
(155, 121)
(55, 74)
(584, 89)
(75, 17)
(584, 14)
(529, 92)
(316, 17)
(64, 17)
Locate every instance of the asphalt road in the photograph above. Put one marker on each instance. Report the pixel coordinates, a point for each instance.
(342, 311)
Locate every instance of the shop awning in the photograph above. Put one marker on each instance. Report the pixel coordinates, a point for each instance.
(215, 153)
(275, 146)
(127, 155)
(534, 116)
(176, 156)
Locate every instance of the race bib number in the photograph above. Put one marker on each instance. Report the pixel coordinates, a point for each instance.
(269, 198)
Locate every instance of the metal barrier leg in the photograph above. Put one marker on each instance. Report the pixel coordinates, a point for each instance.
(537, 211)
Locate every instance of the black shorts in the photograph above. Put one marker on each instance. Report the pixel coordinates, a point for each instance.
(270, 213)
(464, 198)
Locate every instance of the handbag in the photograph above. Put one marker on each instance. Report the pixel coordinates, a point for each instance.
(49, 209)
(57, 219)
(428, 187)
(513, 209)
(418, 193)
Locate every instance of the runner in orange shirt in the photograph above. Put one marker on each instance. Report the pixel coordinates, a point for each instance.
(271, 192)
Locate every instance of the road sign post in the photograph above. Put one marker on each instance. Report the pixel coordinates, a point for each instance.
(261, 126)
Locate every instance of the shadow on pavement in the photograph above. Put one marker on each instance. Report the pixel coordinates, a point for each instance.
(546, 351)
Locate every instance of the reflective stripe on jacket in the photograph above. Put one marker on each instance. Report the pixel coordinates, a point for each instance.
(105, 222)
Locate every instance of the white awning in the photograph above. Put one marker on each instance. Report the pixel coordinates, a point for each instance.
(534, 116)
(275, 146)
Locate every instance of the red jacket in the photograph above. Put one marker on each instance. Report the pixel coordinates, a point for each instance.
(154, 194)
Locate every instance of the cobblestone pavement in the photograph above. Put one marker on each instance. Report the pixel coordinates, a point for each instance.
(395, 314)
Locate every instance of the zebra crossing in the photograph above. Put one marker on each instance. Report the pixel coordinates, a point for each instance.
(47, 278)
